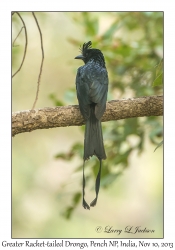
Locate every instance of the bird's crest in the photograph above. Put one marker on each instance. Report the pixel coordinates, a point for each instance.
(85, 47)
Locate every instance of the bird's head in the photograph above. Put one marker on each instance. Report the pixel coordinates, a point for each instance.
(88, 53)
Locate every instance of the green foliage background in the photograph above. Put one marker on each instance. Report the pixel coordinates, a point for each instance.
(132, 43)
(131, 63)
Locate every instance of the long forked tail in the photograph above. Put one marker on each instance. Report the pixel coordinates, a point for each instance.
(93, 145)
(85, 205)
(93, 141)
(97, 187)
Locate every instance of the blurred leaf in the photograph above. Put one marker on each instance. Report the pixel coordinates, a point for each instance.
(68, 212)
(155, 133)
(109, 179)
(159, 68)
(74, 41)
(158, 145)
(76, 198)
(141, 142)
(91, 24)
(110, 32)
(65, 156)
(159, 74)
(158, 81)
(55, 100)
(77, 149)
(70, 96)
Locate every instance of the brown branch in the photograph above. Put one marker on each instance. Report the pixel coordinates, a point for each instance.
(39, 77)
(17, 37)
(29, 120)
(26, 41)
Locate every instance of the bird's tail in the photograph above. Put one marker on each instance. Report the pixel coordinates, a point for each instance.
(93, 141)
(93, 145)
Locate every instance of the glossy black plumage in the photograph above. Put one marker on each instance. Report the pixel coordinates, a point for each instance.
(92, 88)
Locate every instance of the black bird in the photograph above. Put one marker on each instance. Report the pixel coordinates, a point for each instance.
(92, 88)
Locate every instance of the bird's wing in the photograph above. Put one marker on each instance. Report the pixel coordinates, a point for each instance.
(92, 88)
(98, 92)
(82, 88)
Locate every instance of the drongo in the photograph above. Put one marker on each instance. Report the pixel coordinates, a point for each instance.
(92, 88)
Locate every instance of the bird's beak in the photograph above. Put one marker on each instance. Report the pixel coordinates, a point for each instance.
(79, 57)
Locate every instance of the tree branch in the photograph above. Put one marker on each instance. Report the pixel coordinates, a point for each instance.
(26, 42)
(64, 116)
(13, 44)
(42, 60)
